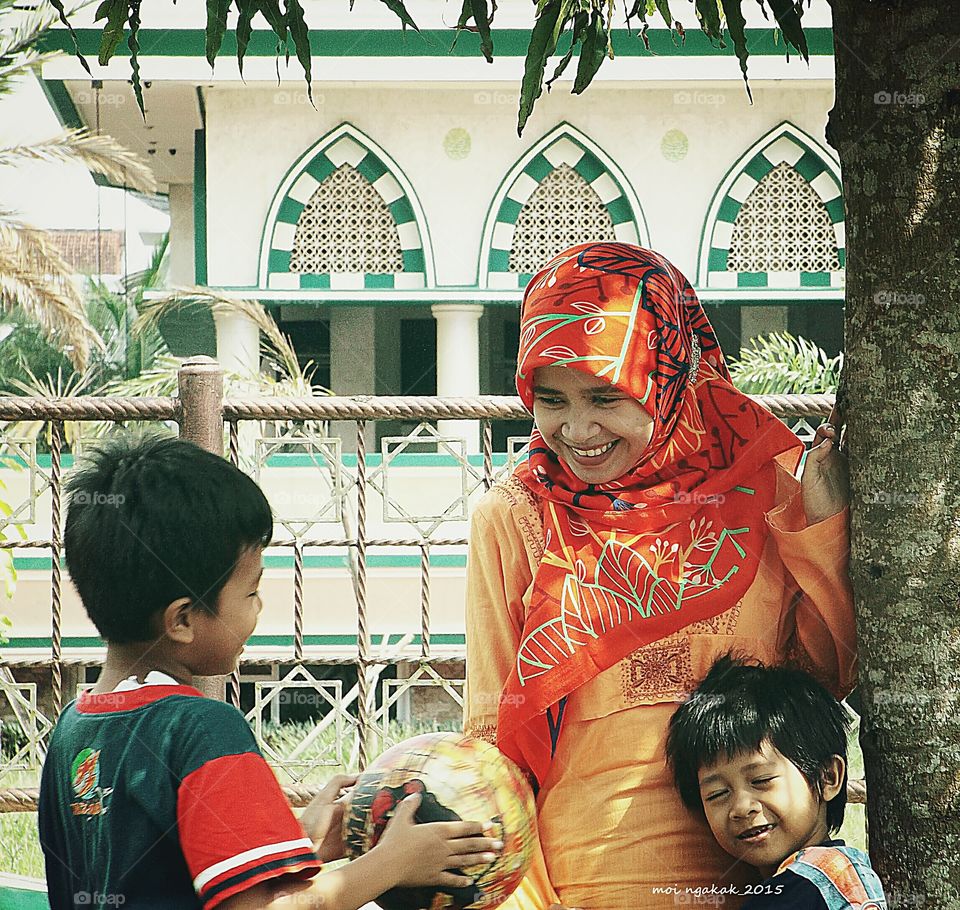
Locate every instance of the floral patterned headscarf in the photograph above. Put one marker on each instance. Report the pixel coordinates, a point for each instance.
(674, 541)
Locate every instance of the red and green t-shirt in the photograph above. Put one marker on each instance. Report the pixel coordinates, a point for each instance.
(159, 798)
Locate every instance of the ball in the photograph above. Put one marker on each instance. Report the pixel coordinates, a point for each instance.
(460, 779)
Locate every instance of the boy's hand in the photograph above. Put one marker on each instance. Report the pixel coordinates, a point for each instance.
(825, 482)
(323, 817)
(423, 854)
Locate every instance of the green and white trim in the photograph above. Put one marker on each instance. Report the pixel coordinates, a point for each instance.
(563, 145)
(345, 145)
(815, 164)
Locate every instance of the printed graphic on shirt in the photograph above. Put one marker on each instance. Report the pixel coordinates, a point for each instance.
(85, 778)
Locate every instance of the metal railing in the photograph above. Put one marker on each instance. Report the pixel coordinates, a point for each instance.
(206, 418)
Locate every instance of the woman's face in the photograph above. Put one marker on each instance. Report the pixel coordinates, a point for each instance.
(598, 431)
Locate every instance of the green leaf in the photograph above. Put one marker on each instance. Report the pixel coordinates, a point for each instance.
(246, 9)
(709, 15)
(663, 7)
(62, 13)
(543, 42)
(580, 23)
(276, 19)
(134, 46)
(397, 7)
(736, 25)
(482, 18)
(592, 53)
(216, 27)
(115, 12)
(788, 15)
(301, 41)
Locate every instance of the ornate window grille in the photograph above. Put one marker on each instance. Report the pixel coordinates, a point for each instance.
(346, 227)
(563, 211)
(783, 226)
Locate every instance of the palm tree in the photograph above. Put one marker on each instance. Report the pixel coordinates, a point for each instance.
(35, 280)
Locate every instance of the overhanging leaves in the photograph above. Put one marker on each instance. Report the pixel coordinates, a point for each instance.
(587, 20)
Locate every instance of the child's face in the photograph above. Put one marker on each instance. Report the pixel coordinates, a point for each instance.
(221, 638)
(761, 809)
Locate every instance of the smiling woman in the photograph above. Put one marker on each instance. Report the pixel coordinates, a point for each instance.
(656, 525)
(597, 429)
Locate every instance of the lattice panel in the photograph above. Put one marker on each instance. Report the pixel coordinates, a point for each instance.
(346, 227)
(563, 211)
(783, 226)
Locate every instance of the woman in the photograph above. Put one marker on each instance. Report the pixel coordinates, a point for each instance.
(656, 525)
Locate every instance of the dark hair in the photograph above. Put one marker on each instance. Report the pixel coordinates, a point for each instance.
(740, 705)
(152, 519)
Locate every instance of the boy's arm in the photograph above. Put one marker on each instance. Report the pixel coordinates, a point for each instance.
(408, 855)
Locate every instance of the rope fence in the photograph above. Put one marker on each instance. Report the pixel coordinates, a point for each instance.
(201, 413)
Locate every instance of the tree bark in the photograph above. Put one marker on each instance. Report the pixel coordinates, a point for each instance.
(896, 127)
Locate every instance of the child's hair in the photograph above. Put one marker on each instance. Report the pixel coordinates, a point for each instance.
(740, 705)
(152, 519)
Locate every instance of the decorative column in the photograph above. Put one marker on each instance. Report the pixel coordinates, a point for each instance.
(761, 320)
(238, 344)
(458, 363)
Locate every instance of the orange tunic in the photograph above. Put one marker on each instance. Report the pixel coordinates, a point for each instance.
(612, 828)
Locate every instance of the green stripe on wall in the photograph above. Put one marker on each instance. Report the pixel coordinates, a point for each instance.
(310, 561)
(392, 638)
(429, 43)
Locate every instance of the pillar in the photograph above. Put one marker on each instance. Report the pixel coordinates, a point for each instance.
(761, 320)
(458, 363)
(238, 345)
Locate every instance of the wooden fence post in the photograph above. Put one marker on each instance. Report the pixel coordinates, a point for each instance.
(200, 381)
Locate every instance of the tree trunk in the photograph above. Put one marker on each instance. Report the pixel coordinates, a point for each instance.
(896, 127)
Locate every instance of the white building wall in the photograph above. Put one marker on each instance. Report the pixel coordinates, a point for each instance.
(254, 135)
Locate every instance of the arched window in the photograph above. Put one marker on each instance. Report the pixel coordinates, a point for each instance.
(563, 191)
(346, 227)
(563, 210)
(345, 217)
(783, 227)
(776, 220)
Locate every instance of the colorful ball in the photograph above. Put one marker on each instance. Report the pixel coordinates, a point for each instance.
(460, 779)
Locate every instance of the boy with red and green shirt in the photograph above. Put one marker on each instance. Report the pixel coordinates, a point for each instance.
(153, 796)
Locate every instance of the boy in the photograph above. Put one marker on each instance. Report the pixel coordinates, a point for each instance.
(152, 795)
(762, 753)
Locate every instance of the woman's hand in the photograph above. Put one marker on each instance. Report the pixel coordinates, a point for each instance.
(825, 483)
(324, 815)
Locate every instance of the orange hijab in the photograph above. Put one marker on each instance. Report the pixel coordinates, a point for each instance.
(675, 540)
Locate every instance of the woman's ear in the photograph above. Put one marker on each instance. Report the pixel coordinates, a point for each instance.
(832, 778)
(176, 621)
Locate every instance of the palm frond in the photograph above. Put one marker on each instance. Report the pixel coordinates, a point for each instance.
(98, 154)
(276, 347)
(18, 53)
(779, 363)
(57, 386)
(36, 278)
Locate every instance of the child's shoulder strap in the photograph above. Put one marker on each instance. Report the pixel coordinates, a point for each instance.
(842, 875)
